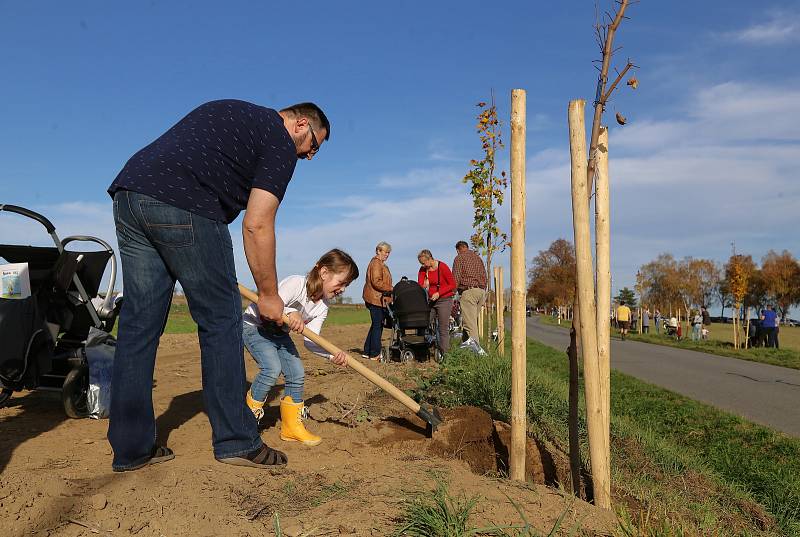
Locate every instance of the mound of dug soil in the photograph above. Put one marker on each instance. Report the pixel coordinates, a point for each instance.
(469, 434)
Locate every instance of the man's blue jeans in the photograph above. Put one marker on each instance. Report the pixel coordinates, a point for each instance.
(160, 244)
(274, 353)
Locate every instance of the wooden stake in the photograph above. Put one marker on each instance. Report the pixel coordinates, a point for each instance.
(603, 252)
(598, 451)
(518, 333)
(500, 306)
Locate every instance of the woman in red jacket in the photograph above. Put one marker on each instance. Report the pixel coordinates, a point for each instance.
(436, 278)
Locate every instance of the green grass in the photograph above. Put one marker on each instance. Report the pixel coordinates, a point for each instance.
(721, 343)
(439, 514)
(679, 466)
(340, 315)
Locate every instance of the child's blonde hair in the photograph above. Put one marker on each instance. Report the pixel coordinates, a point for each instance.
(336, 261)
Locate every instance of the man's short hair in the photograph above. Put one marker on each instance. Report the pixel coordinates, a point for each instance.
(459, 244)
(313, 113)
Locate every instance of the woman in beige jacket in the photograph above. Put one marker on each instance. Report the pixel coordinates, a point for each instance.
(377, 287)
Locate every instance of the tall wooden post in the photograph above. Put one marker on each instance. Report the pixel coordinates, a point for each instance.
(500, 307)
(602, 231)
(598, 450)
(518, 332)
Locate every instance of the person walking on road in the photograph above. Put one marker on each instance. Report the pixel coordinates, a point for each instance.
(623, 319)
(377, 290)
(173, 201)
(469, 273)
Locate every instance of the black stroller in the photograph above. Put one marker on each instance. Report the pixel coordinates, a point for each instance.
(414, 333)
(43, 336)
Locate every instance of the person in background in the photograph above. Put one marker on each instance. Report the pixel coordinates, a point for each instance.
(657, 319)
(377, 291)
(706, 322)
(768, 323)
(623, 319)
(435, 277)
(697, 325)
(673, 328)
(645, 321)
(469, 273)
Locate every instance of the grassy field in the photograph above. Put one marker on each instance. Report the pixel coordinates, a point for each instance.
(720, 342)
(180, 321)
(679, 467)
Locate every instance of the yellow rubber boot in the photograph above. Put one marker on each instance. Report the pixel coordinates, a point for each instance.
(256, 407)
(292, 428)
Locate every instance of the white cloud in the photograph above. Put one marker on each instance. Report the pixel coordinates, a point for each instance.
(782, 27)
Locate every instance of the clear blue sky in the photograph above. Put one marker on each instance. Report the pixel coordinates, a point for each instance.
(709, 155)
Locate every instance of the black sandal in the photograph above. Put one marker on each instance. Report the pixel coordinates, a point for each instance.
(263, 457)
(158, 454)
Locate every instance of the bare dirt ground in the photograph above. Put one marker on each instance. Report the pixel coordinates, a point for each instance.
(56, 476)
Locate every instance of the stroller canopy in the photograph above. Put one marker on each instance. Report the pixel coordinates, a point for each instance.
(410, 304)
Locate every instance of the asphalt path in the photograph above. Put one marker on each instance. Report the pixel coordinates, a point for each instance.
(763, 393)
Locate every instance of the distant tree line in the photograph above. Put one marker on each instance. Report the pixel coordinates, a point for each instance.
(668, 283)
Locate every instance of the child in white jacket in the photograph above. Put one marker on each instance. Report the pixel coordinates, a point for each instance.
(306, 304)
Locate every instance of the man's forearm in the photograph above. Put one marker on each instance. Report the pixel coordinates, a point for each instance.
(259, 248)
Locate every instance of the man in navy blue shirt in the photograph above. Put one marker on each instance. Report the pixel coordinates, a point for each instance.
(173, 201)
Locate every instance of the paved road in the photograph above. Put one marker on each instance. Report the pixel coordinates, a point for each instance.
(762, 393)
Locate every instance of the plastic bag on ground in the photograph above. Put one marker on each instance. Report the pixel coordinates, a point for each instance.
(100, 347)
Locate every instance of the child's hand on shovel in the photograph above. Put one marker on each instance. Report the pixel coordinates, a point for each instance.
(295, 323)
(340, 359)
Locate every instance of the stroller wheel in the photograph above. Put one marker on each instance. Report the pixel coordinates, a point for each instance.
(74, 392)
(5, 395)
(407, 356)
(386, 355)
(438, 355)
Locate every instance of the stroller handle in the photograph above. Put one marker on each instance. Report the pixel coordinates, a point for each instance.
(30, 214)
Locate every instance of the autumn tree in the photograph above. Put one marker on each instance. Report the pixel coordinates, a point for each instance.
(658, 279)
(781, 274)
(738, 271)
(486, 187)
(552, 275)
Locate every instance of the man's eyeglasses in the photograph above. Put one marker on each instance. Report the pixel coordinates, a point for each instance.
(314, 143)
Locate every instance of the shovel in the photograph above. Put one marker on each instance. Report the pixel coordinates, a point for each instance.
(430, 415)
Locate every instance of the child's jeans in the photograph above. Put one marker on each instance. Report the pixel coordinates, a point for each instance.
(273, 355)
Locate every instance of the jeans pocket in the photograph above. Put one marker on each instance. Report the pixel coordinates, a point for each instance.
(167, 225)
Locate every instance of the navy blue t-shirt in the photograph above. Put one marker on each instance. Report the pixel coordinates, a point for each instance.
(208, 162)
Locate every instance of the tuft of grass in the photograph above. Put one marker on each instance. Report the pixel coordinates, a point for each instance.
(693, 468)
(440, 515)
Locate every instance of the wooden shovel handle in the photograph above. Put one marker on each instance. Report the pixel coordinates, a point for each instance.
(357, 366)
